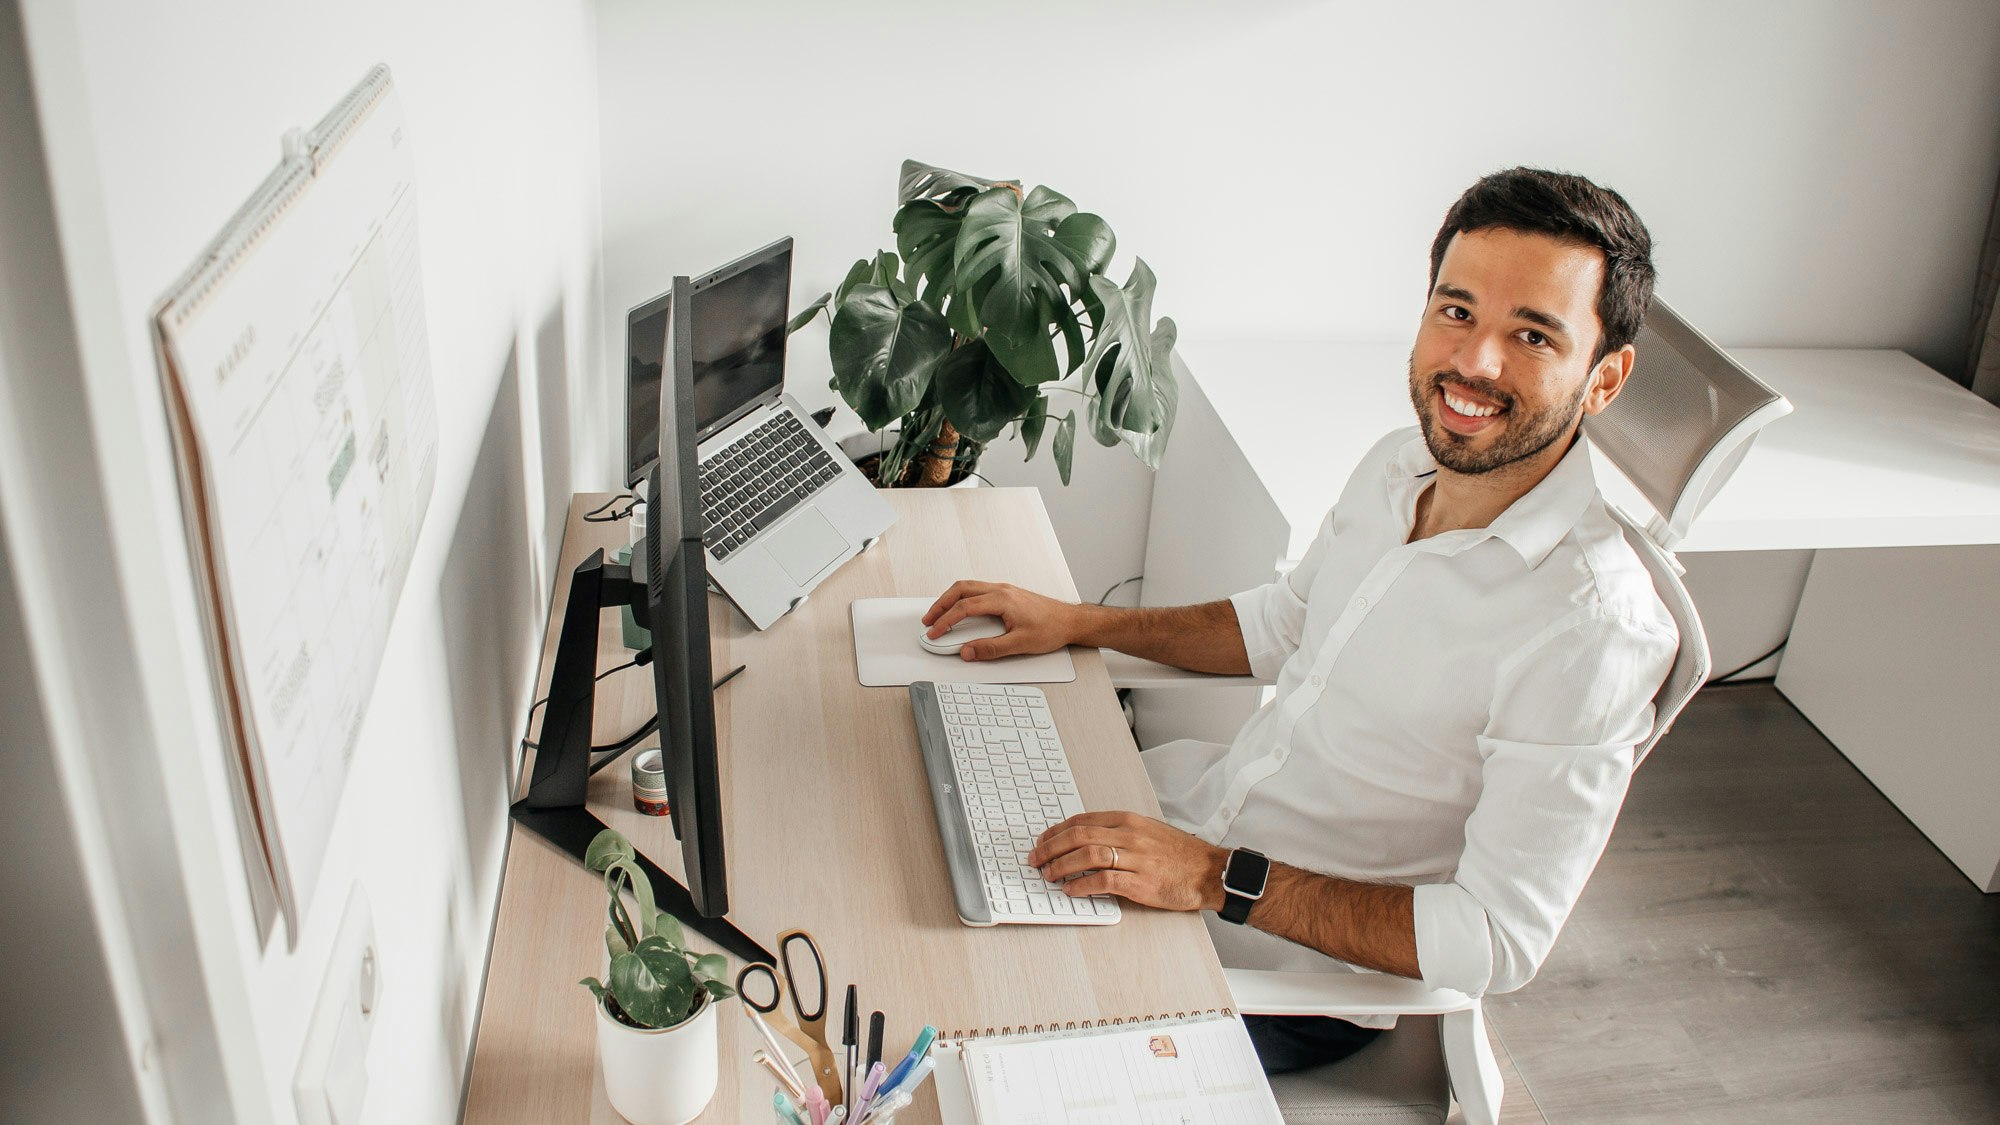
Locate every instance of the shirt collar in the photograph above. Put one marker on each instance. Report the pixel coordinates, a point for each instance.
(1536, 522)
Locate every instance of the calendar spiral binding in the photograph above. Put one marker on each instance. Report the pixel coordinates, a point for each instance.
(246, 228)
(959, 1037)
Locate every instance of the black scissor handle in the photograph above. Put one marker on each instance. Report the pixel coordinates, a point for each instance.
(751, 971)
(785, 941)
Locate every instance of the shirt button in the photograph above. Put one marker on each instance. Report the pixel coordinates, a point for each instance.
(1317, 681)
(1361, 603)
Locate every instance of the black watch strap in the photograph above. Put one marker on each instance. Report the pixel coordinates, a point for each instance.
(1243, 884)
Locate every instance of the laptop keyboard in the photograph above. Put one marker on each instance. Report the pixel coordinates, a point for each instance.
(749, 484)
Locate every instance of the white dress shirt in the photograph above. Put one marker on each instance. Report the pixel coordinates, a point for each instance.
(1457, 714)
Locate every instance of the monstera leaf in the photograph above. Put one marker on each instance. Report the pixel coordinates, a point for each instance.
(961, 325)
(885, 346)
(927, 238)
(1065, 444)
(1132, 367)
(978, 394)
(1016, 277)
(653, 983)
(927, 181)
(1033, 424)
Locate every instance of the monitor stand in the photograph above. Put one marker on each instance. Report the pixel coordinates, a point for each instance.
(554, 807)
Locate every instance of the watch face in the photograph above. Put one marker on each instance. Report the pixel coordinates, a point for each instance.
(1246, 872)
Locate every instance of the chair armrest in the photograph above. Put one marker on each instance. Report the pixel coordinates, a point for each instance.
(1131, 672)
(1271, 993)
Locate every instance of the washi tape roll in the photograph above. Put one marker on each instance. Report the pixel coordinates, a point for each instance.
(649, 782)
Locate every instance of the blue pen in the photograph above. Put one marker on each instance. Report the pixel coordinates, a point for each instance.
(786, 1112)
(917, 1052)
(917, 1076)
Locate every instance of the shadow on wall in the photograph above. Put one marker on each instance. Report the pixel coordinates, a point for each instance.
(491, 623)
(552, 393)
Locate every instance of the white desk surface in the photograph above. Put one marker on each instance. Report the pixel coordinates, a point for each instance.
(1880, 451)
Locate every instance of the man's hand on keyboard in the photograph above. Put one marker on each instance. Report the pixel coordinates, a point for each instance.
(1156, 863)
(1034, 623)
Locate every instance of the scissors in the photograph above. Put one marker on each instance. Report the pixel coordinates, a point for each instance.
(810, 1030)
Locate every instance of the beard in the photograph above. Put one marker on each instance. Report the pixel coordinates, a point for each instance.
(1521, 437)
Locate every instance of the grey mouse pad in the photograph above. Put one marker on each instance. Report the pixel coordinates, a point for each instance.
(806, 546)
(886, 652)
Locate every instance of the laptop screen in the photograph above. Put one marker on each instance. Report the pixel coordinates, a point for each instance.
(645, 353)
(738, 336)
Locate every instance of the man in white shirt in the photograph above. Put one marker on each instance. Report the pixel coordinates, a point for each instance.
(1464, 659)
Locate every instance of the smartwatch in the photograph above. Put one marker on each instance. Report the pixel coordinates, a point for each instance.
(1243, 884)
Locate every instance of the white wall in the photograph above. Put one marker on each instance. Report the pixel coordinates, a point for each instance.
(1814, 173)
(158, 123)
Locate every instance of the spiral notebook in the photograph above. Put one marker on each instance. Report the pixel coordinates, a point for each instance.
(1180, 1070)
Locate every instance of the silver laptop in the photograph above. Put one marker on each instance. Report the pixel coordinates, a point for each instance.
(781, 506)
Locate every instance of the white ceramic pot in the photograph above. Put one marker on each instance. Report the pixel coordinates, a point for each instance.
(663, 1077)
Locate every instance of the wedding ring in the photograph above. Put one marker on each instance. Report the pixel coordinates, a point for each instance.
(1114, 859)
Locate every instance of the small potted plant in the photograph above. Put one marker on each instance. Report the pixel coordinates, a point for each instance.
(656, 1037)
(994, 311)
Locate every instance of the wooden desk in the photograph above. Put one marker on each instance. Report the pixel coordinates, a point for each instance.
(829, 828)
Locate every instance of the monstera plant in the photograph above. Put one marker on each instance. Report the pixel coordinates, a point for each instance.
(994, 312)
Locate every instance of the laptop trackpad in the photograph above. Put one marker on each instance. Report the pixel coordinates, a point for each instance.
(806, 545)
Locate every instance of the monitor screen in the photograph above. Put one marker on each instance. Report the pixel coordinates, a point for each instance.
(738, 335)
(677, 613)
(645, 355)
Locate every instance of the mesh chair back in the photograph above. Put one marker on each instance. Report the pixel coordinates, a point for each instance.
(1683, 422)
(1691, 662)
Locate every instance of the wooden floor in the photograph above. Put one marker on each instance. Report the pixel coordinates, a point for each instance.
(1766, 940)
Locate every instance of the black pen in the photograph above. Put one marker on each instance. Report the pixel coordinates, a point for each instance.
(874, 1042)
(850, 1034)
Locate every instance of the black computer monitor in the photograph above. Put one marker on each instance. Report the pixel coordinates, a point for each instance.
(672, 602)
(677, 610)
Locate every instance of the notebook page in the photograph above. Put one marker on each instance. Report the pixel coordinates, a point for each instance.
(1199, 1073)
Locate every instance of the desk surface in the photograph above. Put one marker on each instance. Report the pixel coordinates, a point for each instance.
(1880, 450)
(800, 735)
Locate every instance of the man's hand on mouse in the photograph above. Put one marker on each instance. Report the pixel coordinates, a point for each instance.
(1135, 857)
(1034, 623)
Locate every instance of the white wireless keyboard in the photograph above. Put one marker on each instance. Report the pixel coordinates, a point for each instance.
(999, 777)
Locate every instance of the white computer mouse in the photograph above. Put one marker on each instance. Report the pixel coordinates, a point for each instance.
(954, 638)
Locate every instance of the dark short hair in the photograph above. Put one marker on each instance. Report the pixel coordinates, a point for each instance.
(1571, 209)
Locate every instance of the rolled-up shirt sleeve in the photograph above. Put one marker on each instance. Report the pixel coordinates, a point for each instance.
(1272, 617)
(1557, 756)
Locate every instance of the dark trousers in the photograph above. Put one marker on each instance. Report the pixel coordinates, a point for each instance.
(1288, 1043)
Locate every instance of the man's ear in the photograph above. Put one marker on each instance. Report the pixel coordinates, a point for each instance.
(1609, 378)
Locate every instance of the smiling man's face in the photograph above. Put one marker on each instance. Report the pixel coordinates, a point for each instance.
(1502, 368)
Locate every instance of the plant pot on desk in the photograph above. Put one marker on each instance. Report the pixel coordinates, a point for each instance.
(659, 1049)
(936, 467)
(660, 1077)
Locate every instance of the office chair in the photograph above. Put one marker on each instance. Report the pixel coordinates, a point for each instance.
(1677, 432)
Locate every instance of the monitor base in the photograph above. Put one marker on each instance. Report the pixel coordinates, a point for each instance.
(573, 828)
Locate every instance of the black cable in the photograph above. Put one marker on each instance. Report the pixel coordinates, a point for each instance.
(592, 515)
(1116, 586)
(617, 749)
(1746, 667)
(645, 657)
(608, 503)
(619, 746)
